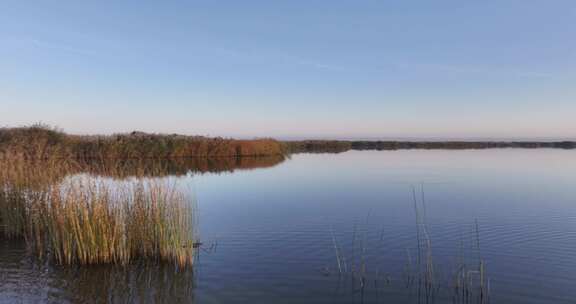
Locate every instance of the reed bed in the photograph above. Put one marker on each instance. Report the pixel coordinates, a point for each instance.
(41, 142)
(86, 219)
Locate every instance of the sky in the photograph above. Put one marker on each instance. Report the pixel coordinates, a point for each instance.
(292, 69)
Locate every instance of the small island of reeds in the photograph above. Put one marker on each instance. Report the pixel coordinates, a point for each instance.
(86, 219)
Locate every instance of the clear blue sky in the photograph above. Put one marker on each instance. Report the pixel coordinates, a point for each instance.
(349, 69)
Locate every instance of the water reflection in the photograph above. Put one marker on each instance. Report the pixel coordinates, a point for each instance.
(24, 279)
(136, 283)
(122, 168)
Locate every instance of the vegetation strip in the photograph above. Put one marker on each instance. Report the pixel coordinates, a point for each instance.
(44, 142)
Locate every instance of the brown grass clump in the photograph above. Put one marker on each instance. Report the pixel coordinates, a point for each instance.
(84, 219)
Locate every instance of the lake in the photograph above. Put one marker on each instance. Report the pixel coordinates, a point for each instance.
(407, 226)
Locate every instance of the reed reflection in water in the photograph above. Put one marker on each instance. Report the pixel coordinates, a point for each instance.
(26, 280)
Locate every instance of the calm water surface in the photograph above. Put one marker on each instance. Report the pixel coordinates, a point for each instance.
(269, 234)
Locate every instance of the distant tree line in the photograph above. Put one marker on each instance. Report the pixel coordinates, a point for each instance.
(337, 146)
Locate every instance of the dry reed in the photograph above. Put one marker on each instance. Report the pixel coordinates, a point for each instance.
(85, 219)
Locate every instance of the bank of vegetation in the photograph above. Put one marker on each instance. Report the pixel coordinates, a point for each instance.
(43, 142)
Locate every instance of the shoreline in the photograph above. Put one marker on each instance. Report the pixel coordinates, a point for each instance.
(337, 146)
(41, 142)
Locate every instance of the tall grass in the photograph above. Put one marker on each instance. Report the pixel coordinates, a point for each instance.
(85, 219)
(43, 142)
(423, 277)
(21, 184)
